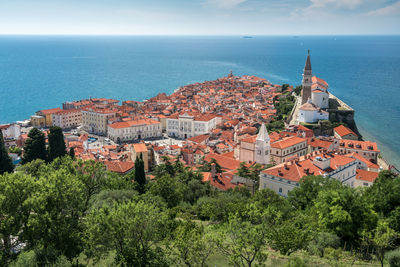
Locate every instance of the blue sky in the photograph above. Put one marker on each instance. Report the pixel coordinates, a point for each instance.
(200, 17)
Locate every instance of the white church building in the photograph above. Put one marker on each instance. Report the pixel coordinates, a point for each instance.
(314, 96)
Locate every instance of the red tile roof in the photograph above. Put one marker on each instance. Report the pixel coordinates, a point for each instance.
(343, 131)
(119, 166)
(366, 175)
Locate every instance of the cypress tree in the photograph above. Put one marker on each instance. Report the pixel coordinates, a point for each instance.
(56, 143)
(6, 164)
(140, 176)
(35, 146)
(72, 153)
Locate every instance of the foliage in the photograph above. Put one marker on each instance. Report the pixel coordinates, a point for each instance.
(393, 257)
(6, 164)
(322, 241)
(15, 149)
(384, 193)
(140, 176)
(383, 239)
(169, 188)
(290, 235)
(191, 244)
(56, 147)
(219, 206)
(35, 146)
(343, 210)
(134, 230)
(298, 89)
(304, 196)
(71, 153)
(243, 242)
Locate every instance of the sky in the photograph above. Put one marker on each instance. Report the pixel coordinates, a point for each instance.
(199, 17)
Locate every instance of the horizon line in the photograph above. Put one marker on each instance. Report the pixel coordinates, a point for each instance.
(194, 35)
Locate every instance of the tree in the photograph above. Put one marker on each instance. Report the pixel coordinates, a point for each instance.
(220, 206)
(72, 153)
(56, 143)
(243, 170)
(322, 241)
(297, 90)
(383, 194)
(384, 239)
(169, 188)
(57, 209)
(344, 211)
(243, 242)
(304, 196)
(140, 176)
(191, 244)
(290, 235)
(35, 146)
(134, 230)
(15, 191)
(6, 164)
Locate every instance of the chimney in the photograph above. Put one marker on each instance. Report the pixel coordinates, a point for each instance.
(286, 166)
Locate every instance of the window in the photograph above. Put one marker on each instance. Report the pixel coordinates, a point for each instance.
(280, 189)
(266, 152)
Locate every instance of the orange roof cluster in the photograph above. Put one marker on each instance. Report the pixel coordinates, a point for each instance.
(297, 169)
(50, 111)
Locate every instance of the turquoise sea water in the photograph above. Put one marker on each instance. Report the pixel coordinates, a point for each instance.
(42, 72)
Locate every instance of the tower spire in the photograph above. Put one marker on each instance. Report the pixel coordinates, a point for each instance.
(308, 62)
(263, 133)
(307, 80)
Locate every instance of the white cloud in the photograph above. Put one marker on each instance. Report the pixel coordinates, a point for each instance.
(388, 10)
(346, 4)
(224, 4)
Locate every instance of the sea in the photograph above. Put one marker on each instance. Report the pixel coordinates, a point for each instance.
(41, 72)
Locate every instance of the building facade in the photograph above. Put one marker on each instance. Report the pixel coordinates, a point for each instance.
(288, 148)
(67, 119)
(95, 120)
(188, 125)
(133, 130)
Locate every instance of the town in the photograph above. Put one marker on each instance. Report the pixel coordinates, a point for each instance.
(233, 124)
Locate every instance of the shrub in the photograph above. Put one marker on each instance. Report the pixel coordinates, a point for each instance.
(393, 258)
(322, 241)
(296, 262)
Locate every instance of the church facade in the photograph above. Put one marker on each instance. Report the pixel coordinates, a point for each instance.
(314, 96)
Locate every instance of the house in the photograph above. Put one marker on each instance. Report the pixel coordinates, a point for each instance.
(67, 119)
(120, 167)
(190, 124)
(43, 118)
(132, 130)
(365, 178)
(367, 149)
(286, 176)
(95, 118)
(342, 132)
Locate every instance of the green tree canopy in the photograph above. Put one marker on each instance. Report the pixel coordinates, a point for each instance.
(134, 230)
(6, 164)
(35, 146)
(56, 147)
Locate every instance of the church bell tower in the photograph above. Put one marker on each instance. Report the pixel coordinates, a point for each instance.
(307, 80)
(262, 147)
